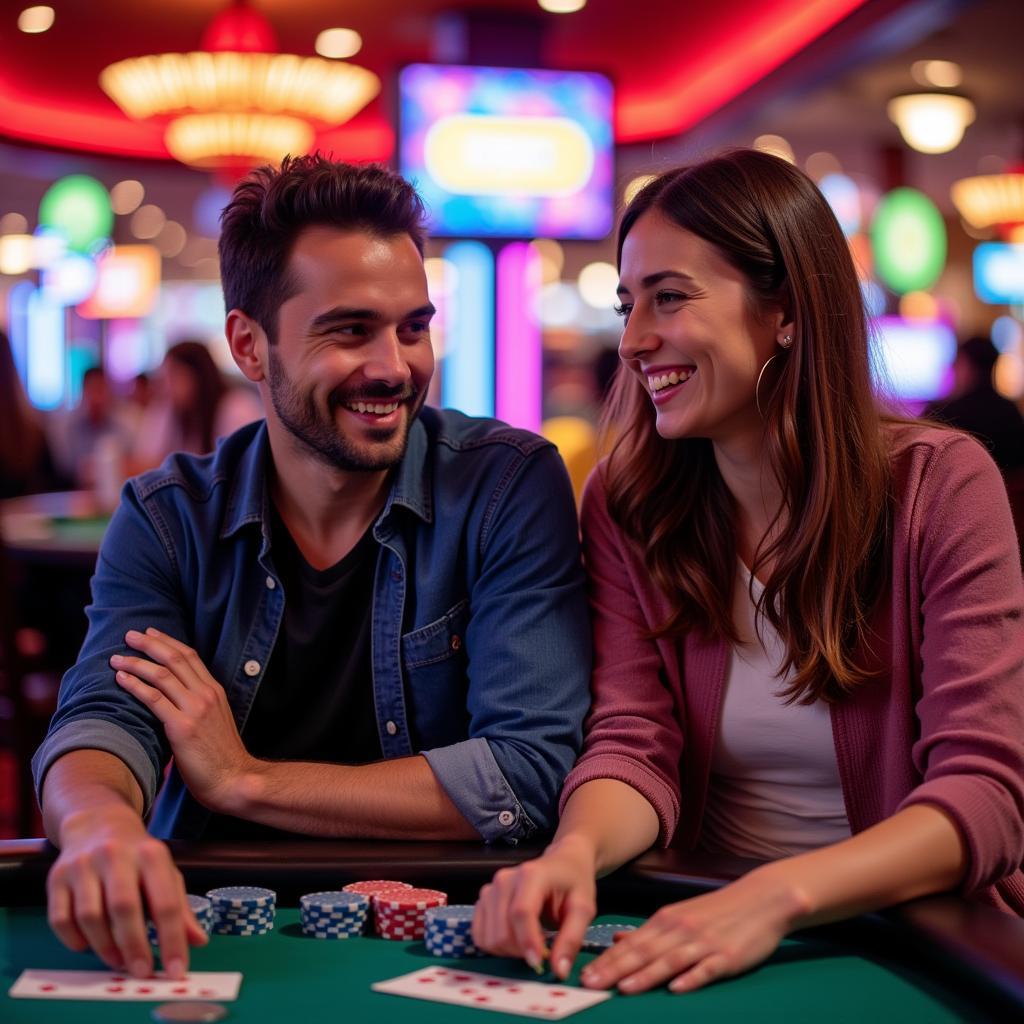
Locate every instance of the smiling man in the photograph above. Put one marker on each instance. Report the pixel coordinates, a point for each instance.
(362, 617)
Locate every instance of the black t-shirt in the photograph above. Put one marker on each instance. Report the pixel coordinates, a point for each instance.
(315, 702)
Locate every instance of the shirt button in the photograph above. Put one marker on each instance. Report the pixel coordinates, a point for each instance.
(252, 667)
(456, 642)
(506, 818)
(391, 728)
(271, 583)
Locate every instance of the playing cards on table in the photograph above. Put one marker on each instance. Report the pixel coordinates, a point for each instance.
(487, 992)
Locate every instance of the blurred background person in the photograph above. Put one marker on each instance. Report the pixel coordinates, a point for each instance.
(26, 463)
(974, 405)
(95, 426)
(195, 406)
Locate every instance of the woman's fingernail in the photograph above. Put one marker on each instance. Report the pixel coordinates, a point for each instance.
(564, 967)
(532, 959)
(176, 968)
(140, 968)
(132, 634)
(628, 984)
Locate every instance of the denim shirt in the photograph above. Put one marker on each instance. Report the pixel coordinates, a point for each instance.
(480, 629)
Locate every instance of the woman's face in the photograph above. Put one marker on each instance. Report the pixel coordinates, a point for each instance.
(692, 336)
(180, 384)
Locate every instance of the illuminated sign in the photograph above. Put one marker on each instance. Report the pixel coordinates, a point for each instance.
(908, 239)
(79, 207)
(508, 152)
(911, 358)
(127, 283)
(999, 273)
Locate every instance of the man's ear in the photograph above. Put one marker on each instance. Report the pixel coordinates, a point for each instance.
(248, 344)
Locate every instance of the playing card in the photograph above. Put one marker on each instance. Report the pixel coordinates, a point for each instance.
(487, 992)
(37, 984)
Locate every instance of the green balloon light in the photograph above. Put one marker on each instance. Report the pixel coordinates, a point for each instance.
(78, 206)
(908, 241)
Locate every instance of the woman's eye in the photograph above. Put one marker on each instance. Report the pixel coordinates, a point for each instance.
(623, 310)
(664, 297)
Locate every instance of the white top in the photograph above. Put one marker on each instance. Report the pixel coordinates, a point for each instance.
(774, 788)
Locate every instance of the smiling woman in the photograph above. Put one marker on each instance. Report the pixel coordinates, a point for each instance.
(791, 663)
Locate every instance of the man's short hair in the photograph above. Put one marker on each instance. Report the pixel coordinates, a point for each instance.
(271, 206)
(980, 353)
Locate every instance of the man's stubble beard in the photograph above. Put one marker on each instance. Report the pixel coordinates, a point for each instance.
(321, 436)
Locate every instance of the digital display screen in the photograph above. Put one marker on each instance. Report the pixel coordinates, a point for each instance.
(508, 152)
(911, 359)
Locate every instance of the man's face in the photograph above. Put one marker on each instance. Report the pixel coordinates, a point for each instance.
(350, 367)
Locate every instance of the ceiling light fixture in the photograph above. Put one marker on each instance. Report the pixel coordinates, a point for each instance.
(992, 200)
(931, 122)
(237, 101)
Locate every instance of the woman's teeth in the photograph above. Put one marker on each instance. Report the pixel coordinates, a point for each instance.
(664, 380)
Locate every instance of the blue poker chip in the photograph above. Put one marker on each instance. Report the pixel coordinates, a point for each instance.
(335, 900)
(201, 907)
(602, 936)
(457, 913)
(241, 896)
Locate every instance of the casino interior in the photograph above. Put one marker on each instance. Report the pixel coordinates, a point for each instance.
(526, 125)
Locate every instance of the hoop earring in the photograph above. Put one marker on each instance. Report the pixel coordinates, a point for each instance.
(757, 386)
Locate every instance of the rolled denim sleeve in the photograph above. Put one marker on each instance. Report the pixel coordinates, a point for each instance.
(135, 586)
(529, 655)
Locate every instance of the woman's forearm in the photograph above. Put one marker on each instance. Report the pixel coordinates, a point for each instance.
(606, 823)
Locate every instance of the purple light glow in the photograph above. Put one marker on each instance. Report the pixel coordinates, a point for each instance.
(519, 351)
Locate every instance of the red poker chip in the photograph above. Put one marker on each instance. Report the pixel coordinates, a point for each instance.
(375, 886)
(410, 899)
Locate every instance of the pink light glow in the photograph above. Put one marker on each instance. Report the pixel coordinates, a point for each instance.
(519, 352)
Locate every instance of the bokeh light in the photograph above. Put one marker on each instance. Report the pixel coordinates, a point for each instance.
(79, 207)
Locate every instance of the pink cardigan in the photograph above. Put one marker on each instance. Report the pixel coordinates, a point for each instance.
(944, 724)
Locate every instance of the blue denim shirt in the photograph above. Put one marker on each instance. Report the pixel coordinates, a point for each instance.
(480, 630)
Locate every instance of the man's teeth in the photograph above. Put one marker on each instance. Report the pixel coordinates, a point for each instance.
(667, 379)
(380, 409)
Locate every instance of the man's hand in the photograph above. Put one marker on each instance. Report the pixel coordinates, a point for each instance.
(175, 685)
(95, 889)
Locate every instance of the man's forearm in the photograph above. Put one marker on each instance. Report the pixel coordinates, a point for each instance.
(398, 799)
(86, 781)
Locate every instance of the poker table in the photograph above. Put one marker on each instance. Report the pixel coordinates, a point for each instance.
(936, 959)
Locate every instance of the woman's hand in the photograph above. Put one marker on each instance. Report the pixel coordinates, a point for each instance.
(558, 886)
(702, 939)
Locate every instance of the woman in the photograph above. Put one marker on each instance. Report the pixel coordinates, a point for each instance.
(808, 616)
(26, 463)
(197, 407)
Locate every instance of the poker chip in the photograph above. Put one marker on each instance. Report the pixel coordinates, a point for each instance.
(399, 915)
(448, 931)
(602, 936)
(201, 907)
(242, 910)
(372, 888)
(334, 915)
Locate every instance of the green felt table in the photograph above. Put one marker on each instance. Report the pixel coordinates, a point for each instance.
(872, 969)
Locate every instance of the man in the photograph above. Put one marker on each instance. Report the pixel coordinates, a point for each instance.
(363, 618)
(974, 405)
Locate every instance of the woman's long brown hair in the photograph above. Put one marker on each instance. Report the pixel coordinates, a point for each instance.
(823, 431)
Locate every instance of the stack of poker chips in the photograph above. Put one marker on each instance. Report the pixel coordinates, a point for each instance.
(201, 907)
(448, 931)
(376, 887)
(243, 910)
(401, 914)
(334, 915)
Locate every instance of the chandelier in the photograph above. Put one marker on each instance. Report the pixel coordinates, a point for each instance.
(237, 101)
(992, 201)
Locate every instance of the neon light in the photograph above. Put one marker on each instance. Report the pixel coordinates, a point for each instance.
(519, 349)
(467, 369)
(128, 283)
(908, 239)
(45, 370)
(487, 155)
(999, 273)
(17, 324)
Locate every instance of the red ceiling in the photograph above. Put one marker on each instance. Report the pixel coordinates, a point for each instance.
(673, 63)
